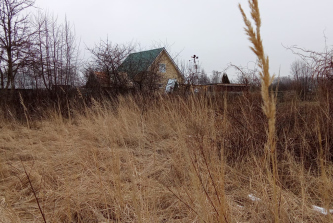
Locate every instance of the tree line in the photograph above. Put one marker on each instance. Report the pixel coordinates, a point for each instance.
(37, 51)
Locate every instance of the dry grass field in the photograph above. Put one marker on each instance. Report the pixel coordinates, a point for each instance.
(163, 159)
(232, 158)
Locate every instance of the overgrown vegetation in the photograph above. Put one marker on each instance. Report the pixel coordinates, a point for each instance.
(169, 158)
(165, 160)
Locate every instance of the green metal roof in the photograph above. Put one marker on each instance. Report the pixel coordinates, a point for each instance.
(138, 62)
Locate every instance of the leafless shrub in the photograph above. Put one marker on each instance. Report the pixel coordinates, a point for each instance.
(106, 59)
(15, 39)
(55, 53)
(320, 65)
(246, 75)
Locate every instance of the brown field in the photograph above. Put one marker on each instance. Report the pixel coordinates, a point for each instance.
(167, 159)
(232, 158)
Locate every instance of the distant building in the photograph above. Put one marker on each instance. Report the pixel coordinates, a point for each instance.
(151, 69)
(152, 65)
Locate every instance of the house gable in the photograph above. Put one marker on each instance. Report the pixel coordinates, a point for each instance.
(171, 69)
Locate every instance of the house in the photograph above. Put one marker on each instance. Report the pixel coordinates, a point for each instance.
(150, 69)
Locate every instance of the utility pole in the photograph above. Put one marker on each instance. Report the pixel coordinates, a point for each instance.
(194, 57)
(194, 74)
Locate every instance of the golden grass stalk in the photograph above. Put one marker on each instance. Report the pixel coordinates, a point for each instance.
(269, 100)
(25, 110)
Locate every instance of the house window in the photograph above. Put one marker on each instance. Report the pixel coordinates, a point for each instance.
(162, 68)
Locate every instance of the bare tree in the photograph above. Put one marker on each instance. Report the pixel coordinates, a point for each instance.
(321, 63)
(302, 78)
(15, 39)
(106, 58)
(246, 75)
(203, 78)
(216, 78)
(55, 53)
(69, 69)
(148, 80)
(189, 70)
(283, 84)
(3, 74)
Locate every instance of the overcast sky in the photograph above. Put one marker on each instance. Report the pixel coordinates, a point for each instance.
(211, 29)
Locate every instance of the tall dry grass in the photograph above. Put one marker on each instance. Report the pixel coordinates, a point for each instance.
(269, 100)
(165, 159)
(171, 159)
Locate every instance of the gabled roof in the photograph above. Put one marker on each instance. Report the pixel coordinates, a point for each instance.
(140, 61)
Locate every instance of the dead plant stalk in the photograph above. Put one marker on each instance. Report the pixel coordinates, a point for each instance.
(269, 100)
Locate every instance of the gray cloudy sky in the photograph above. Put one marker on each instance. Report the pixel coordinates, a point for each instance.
(211, 29)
